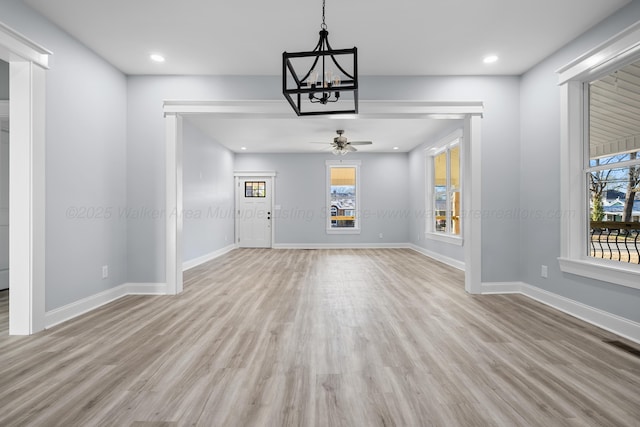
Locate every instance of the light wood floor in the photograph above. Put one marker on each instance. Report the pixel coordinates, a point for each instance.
(319, 338)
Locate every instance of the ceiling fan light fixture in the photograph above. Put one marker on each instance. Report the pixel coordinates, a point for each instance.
(341, 145)
(323, 81)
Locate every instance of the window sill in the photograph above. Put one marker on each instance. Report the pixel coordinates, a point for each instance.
(343, 231)
(446, 238)
(623, 275)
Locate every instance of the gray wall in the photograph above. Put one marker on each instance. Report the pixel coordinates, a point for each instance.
(500, 156)
(85, 163)
(4, 80)
(301, 193)
(208, 195)
(146, 155)
(4, 184)
(540, 175)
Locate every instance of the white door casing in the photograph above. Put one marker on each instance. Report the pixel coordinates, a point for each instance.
(28, 63)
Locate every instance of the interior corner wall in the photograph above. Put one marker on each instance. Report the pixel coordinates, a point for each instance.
(208, 195)
(540, 178)
(4, 80)
(301, 190)
(146, 155)
(500, 155)
(85, 163)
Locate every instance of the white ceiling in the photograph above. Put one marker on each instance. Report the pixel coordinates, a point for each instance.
(400, 37)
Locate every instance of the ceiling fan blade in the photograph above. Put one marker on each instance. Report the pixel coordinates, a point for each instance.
(360, 142)
(348, 147)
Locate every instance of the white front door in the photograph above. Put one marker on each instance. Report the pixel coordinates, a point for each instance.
(254, 211)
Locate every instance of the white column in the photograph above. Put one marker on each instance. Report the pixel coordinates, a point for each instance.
(173, 192)
(473, 205)
(27, 198)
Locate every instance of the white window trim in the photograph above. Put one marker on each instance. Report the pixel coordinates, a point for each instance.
(347, 164)
(449, 141)
(446, 238)
(610, 55)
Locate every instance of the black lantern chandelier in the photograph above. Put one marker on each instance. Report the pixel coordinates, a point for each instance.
(323, 81)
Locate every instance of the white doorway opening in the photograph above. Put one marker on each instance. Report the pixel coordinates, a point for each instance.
(470, 111)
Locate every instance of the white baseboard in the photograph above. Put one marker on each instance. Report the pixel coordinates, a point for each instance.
(460, 265)
(610, 322)
(340, 246)
(146, 289)
(77, 308)
(489, 288)
(208, 257)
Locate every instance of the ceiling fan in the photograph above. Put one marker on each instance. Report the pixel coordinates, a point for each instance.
(343, 146)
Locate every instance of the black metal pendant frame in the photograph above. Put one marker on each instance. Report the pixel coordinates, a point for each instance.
(302, 91)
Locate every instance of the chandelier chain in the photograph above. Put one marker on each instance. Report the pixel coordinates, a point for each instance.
(323, 26)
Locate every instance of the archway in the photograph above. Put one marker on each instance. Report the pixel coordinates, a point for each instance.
(470, 111)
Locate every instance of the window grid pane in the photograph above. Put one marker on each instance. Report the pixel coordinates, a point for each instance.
(343, 197)
(454, 174)
(255, 189)
(613, 168)
(440, 180)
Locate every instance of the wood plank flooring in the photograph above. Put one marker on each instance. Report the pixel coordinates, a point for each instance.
(319, 338)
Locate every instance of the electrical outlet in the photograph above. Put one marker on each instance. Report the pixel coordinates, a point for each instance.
(105, 271)
(544, 272)
(380, 235)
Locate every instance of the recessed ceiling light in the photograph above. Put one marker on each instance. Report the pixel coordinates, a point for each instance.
(243, 148)
(156, 57)
(490, 59)
(396, 148)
